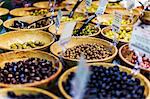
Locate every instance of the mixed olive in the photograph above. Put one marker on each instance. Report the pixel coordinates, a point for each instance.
(88, 30)
(12, 95)
(26, 71)
(27, 45)
(132, 57)
(124, 34)
(109, 83)
(90, 51)
(37, 12)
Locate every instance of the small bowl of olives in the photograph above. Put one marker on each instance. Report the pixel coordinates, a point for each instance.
(107, 81)
(123, 36)
(130, 58)
(107, 20)
(90, 30)
(29, 11)
(26, 40)
(21, 23)
(94, 50)
(28, 69)
(26, 93)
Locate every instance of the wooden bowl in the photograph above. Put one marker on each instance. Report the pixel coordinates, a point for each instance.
(64, 77)
(45, 4)
(26, 90)
(106, 29)
(75, 41)
(12, 37)
(128, 62)
(24, 11)
(23, 55)
(1, 24)
(123, 11)
(109, 17)
(52, 29)
(29, 19)
(3, 11)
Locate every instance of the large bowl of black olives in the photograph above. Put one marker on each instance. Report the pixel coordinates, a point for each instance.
(94, 50)
(26, 93)
(28, 23)
(90, 30)
(108, 81)
(28, 69)
(26, 40)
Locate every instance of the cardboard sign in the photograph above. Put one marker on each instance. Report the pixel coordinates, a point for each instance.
(140, 40)
(80, 80)
(116, 22)
(102, 7)
(66, 34)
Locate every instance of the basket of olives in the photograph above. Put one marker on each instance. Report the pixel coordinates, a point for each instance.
(28, 69)
(94, 50)
(3, 13)
(45, 4)
(26, 40)
(108, 81)
(28, 23)
(123, 11)
(123, 36)
(90, 30)
(107, 20)
(1, 25)
(130, 58)
(26, 93)
(29, 11)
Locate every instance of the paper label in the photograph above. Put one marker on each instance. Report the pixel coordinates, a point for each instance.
(102, 7)
(140, 40)
(116, 22)
(80, 80)
(130, 4)
(67, 33)
(88, 3)
(58, 18)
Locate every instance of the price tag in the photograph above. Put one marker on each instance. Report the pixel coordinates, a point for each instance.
(116, 22)
(140, 40)
(88, 3)
(58, 18)
(102, 7)
(80, 80)
(66, 34)
(130, 4)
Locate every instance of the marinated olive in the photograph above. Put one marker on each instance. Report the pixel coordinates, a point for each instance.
(38, 12)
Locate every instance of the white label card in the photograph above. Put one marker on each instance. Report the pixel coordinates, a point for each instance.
(130, 4)
(88, 3)
(102, 7)
(80, 80)
(140, 40)
(58, 18)
(66, 33)
(116, 22)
